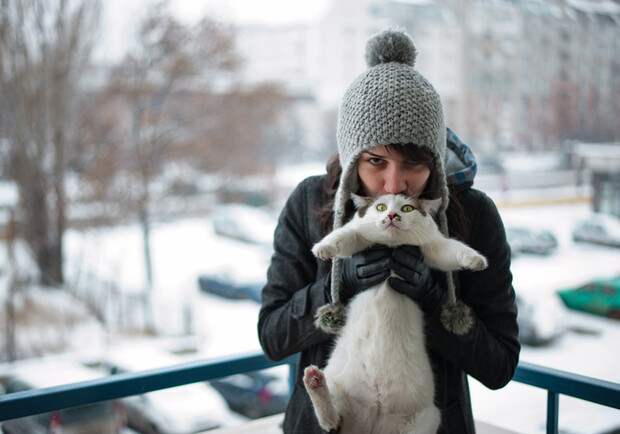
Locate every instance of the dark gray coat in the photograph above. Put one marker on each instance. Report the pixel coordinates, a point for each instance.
(295, 289)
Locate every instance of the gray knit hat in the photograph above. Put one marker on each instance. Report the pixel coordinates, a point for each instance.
(390, 103)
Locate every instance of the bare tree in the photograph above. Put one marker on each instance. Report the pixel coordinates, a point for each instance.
(170, 100)
(135, 125)
(10, 347)
(44, 47)
(240, 132)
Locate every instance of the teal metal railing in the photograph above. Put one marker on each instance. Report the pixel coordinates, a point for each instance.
(564, 383)
(37, 401)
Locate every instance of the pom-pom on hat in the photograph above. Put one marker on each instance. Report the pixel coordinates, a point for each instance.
(390, 103)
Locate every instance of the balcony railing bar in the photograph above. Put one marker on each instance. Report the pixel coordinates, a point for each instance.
(31, 402)
(565, 383)
(37, 401)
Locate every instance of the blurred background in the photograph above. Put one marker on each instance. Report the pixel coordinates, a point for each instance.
(146, 149)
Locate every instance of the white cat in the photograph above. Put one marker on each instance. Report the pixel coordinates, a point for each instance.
(379, 378)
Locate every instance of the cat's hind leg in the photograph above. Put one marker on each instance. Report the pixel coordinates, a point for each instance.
(314, 380)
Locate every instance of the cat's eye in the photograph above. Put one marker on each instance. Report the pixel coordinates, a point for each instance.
(407, 208)
(381, 207)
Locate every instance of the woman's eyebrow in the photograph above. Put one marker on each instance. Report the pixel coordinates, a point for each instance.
(373, 154)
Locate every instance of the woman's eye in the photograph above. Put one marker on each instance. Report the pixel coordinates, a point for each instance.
(375, 160)
(381, 207)
(416, 167)
(407, 208)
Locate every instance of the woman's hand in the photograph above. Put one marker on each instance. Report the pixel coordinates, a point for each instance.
(414, 278)
(363, 270)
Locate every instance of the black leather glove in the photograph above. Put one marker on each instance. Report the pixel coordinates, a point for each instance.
(416, 280)
(363, 270)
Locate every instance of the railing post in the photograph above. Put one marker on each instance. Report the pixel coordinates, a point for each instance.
(553, 412)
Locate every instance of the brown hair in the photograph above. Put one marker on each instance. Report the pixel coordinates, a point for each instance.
(457, 221)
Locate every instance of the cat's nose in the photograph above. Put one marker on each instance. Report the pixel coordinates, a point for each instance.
(392, 215)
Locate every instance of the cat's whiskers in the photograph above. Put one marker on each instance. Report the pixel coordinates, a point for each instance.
(391, 226)
(420, 235)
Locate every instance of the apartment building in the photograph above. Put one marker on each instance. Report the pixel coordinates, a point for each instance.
(513, 74)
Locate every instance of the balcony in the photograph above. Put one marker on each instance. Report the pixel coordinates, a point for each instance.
(27, 403)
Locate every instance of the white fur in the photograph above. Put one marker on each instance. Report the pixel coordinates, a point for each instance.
(379, 378)
(413, 228)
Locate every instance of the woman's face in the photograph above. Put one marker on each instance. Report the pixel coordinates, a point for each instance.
(384, 171)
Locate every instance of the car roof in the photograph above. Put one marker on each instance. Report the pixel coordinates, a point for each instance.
(50, 372)
(140, 358)
(601, 218)
(528, 229)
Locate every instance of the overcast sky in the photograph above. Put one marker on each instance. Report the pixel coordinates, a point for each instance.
(120, 16)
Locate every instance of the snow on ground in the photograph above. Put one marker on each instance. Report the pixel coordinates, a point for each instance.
(593, 351)
(589, 346)
(573, 263)
(184, 249)
(181, 251)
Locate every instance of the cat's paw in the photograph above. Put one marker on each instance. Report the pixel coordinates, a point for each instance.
(325, 251)
(313, 377)
(314, 380)
(473, 261)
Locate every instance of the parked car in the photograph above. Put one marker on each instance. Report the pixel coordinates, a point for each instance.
(528, 240)
(540, 319)
(187, 409)
(223, 286)
(101, 417)
(254, 394)
(599, 229)
(600, 297)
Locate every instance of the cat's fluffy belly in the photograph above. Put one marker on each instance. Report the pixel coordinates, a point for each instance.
(379, 378)
(380, 357)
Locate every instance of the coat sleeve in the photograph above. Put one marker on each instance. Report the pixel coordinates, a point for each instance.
(295, 280)
(490, 351)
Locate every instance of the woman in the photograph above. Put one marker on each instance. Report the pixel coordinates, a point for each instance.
(392, 139)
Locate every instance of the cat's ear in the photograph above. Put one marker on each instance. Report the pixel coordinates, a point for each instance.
(431, 206)
(360, 201)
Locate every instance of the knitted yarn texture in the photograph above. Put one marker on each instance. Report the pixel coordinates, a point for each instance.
(390, 103)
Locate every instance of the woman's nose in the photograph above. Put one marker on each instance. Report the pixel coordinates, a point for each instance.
(395, 181)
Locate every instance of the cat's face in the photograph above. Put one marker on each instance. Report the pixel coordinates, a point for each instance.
(395, 212)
